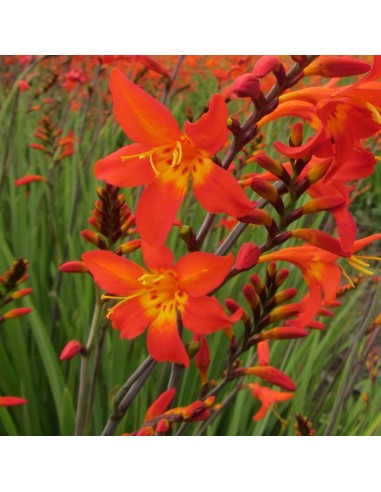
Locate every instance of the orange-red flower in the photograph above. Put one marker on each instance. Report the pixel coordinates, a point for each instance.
(319, 268)
(267, 398)
(165, 159)
(153, 297)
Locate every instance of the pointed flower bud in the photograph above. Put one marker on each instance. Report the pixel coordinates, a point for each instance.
(251, 295)
(281, 277)
(336, 66)
(318, 171)
(29, 178)
(93, 238)
(247, 256)
(265, 65)
(296, 137)
(160, 405)
(11, 401)
(202, 358)
(272, 167)
(258, 285)
(284, 333)
(284, 296)
(73, 267)
(71, 349)
(129, 247)
(162, 427)
(265, 189)
(21, 293)
(246, 85)
(15, 313)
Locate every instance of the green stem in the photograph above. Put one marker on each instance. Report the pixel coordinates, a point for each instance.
(82, 401)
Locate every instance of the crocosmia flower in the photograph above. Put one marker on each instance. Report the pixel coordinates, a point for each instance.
(164, 159)
(154, 297)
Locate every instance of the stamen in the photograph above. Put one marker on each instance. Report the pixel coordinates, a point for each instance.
(358, 267)
(177, 154)
(376, 258)
(350, 281)
(123, 299)
(355, 259)
(375, 112)
(149, 279)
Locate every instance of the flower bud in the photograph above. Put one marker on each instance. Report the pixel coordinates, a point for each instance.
(251, 296)
(11, 401)
(129, 247)
(281, 277)
(265, 189)
(15, 313)
(247, 256)
(265, 65)
(336, 66)
(29, 178)
(21, 293)
(284, 333)
(71, 349)
(296, 137)
(73, 267)
(246, 85)
(162, 427)
(202, 358)
(93, 238)
(258, 285)
(272, 167)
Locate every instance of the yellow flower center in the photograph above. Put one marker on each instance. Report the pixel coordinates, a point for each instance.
(159, 292)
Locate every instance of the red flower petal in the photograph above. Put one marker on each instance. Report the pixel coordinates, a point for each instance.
(130, 318)
(164, 342)
(157, 258)
(144, 119)
(210, 132)
(205, 315)
(158, 206)
(128, 172)
(160, 405)
(199, 273)
(218, 191)
(113, 273)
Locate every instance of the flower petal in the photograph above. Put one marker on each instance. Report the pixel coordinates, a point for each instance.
(163, 341)
(157, 258)
(144, 119)
(205, 315)
(210, 132)
(160, 405)
(128, 172)
(113, 273)
(130, 318)
(158, 206)
(218, 191)
(199, 273)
